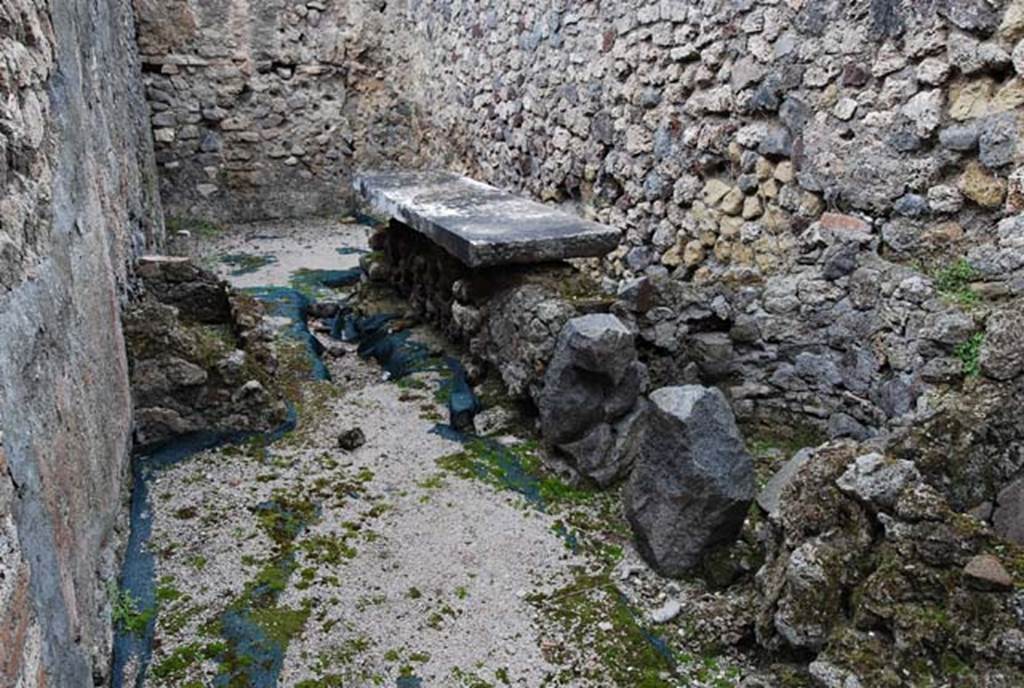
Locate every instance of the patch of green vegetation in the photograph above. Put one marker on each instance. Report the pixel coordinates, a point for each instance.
(518, 467)
(770, 446)
(465, 679)
(175, 665)
(328, 549)
(186, 512)
(781, 442)
(414, 593)
(410, 382)
(172, 605)
(953, 282)
(367, 601)
(197, 226)
(969, 353)
(126, 612)
(323, 681)
(254, 627)
(166, 592)
(437, 617)
(434, 482)
(285, 516)
(628, 654)
(280, 624)
(443, 393)
(246, 263)
(294, 371)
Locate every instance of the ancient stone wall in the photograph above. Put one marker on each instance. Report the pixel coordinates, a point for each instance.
(823, 192)
(817, 187)
(77, 201)
(262, 109)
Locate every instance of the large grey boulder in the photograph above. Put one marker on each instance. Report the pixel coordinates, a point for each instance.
(693, 480)
(589, 403)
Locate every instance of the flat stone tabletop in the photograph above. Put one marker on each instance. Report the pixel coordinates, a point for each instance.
(481, 225)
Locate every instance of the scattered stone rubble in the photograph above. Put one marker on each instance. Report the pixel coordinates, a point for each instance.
(822, 212)
(869, 569)
(873, 567)
(202, 358)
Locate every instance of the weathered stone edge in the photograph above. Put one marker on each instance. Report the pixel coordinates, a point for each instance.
(583, 245)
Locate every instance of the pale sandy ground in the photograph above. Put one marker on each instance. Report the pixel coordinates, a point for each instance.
(448, 580)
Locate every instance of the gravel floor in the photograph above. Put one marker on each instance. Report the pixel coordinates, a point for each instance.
(407, 561)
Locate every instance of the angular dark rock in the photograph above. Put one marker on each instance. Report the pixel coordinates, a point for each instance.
(607, 452)
(201, 296)
(351, 439)
(693, 479)
(592, 382)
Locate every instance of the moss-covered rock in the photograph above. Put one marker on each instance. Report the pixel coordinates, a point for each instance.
(875, 588)
(200, 357)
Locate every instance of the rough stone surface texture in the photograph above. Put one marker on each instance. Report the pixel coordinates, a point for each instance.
(874, 573)
(800, 178)
(509, 317)
(479, 224)
(821, 207)
(693, 480)
(77, 202)
(202, 356)
(588, 405)
(263, 110)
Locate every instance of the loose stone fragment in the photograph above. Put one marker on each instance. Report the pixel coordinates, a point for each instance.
(874, 479)
(986, 572)
(351, 439)
(980, 186)
(693, 480)
(1008, 516)
(768, 498)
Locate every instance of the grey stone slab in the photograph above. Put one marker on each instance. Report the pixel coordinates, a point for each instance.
(481, 225)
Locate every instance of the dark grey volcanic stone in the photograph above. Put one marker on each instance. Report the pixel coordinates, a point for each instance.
(693, 480)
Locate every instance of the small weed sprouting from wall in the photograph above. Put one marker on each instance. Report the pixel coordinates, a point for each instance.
(969, 354)
(954, 282)
(125, 611)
